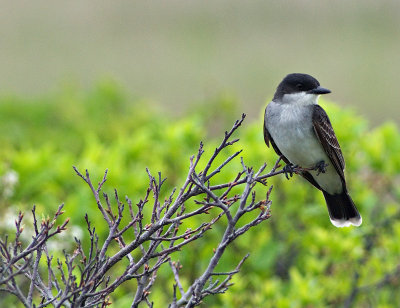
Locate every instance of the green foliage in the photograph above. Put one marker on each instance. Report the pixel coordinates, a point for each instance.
(298, 259)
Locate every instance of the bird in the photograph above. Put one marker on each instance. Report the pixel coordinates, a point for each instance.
(301, 133)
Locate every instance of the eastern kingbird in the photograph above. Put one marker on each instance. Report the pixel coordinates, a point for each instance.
(301, 133)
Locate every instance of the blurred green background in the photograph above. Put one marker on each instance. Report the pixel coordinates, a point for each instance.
(179, 53)
(126, 86)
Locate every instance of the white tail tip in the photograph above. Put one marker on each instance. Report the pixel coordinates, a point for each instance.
(340, 223)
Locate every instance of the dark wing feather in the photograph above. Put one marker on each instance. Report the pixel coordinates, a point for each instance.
(267, 137)
(326, 136)
(307, 175)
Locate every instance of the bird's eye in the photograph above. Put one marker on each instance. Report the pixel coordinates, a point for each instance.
(299, 86)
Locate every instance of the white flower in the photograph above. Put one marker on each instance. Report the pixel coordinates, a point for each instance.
(8, 183)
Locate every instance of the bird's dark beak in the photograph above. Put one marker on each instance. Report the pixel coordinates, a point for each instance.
(319, 90)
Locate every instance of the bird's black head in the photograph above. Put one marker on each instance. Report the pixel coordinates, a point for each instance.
(296, 83)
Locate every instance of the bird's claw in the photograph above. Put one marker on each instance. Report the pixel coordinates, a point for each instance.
(289, 169)
(320, 167)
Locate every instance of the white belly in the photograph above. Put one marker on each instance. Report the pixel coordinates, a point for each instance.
(292, 131)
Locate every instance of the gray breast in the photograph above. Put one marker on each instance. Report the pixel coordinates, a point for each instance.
(291, 128)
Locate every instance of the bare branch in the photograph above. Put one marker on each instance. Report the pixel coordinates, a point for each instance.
(86, 276)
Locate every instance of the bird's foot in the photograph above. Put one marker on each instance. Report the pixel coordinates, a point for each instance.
(320, 167)
(289, 169)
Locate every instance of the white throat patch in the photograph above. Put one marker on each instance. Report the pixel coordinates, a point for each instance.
(300, 98)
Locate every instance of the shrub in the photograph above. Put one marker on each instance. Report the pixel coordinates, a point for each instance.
(297, 258)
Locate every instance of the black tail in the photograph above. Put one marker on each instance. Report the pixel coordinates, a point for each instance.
(342, 210)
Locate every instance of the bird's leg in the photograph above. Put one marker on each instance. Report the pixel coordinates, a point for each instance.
(289, 169)
(320, 167)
